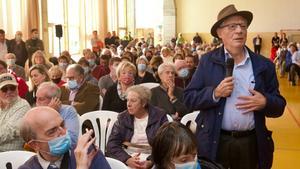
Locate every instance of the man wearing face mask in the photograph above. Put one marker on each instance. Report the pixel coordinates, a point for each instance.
(4, 44)
(43, 129)
(33, 44)
(183, 74)
(87, 72)
(17, 47)
(10, 59)
(79, 93)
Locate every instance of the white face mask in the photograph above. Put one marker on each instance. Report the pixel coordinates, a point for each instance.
(10, 62)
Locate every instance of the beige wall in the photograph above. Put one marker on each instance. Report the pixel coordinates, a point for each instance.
(269, 16)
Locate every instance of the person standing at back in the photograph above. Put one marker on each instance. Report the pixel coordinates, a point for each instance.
(231, 127)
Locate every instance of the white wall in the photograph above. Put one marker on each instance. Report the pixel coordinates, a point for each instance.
(269, 15)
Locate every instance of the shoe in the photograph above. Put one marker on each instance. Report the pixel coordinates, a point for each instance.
(293, 83)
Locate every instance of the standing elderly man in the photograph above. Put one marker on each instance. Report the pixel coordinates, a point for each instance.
(12, 109)
(44, 130)
(18, 47)
(231, 127)
(48, 94)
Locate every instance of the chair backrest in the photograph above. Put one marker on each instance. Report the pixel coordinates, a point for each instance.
(149, 85)
(102, 122)
(169, 117)
(189, 120)
(100, 102)
(116, 164)
(14, 158)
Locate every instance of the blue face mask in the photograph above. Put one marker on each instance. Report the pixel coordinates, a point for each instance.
(188, 165)
(142, 67)
(72, 84)
(91, 62)
(60, 145)
(183, 73)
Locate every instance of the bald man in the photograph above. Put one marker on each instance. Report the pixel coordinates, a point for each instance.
(43, 129)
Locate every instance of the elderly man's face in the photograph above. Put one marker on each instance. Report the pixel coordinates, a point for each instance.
(9, 93)
(71, 74)
(47, 130)
(42, 97)
(233, 32)
(167, 75)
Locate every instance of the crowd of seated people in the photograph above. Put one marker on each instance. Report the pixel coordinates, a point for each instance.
(63, 90)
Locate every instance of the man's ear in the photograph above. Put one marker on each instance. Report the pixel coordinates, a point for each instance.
(33, 144)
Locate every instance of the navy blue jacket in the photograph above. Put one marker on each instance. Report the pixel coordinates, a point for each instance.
(123, 130)
(198, 96)
(99, 160)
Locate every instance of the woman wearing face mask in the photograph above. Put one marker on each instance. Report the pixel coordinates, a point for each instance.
(114, 98)
(143, 76)
(55, 74)
(87, 72)
(183, 73)
(175, 147)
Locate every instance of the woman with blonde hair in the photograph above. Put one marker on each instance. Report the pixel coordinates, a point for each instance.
(38, 57)
(115, 98)
(37, 75)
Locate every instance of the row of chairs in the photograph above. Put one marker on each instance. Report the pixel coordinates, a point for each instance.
(102, 122)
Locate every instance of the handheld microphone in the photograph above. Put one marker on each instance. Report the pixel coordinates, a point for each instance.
(8, 165)
(229, 66)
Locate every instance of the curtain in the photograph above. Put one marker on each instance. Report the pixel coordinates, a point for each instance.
(13, 17)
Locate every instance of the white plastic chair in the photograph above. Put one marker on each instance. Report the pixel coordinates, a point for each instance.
(191, 117)
(149, 85)
(116, 164)
(169, 117)
(100, 102)
(14, 158)
(102, 122)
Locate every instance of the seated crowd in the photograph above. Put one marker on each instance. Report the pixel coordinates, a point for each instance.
(41, 101)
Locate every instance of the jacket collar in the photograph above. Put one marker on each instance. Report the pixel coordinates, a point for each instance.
(258, 64)
(152, 119)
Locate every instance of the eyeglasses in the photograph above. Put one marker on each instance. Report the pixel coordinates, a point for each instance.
(8, 87)
(233, 26)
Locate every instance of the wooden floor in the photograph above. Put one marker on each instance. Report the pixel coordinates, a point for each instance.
(286, 129)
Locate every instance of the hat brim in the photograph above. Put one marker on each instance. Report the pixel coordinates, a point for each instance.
(245, 14)
(8, 83)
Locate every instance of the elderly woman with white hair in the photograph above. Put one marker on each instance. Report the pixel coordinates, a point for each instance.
(135, 128)
(167, 96)
(143, 76)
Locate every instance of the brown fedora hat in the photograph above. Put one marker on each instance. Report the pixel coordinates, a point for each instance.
(227, 12)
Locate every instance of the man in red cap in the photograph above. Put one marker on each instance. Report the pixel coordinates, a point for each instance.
(231, 125)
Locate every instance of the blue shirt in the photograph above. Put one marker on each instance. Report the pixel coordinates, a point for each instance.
(70, 117)
(233, 118)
